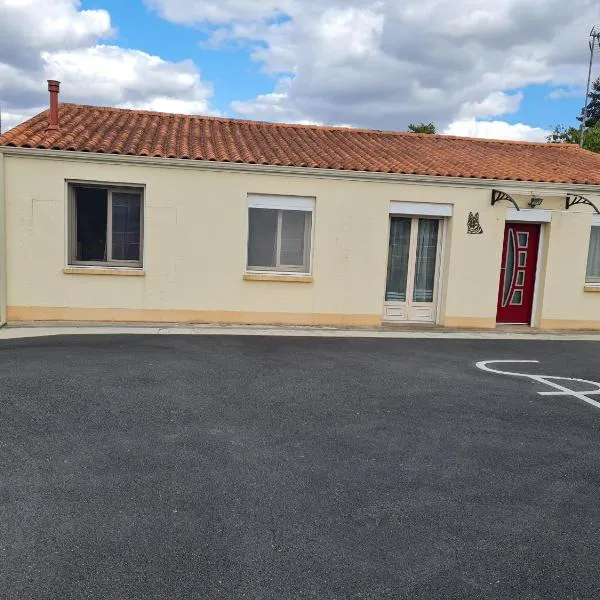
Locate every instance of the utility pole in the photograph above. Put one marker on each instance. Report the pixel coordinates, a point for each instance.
(594, 41)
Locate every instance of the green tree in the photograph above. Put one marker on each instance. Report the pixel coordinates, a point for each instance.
(591, 139)
(593, 107)
(562, 134)
(422, 128)
(571, 135)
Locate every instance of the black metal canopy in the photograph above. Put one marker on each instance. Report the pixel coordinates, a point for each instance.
(498, 195)
(573, 199)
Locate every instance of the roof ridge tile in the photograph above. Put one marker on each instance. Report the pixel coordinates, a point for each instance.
(319, 127)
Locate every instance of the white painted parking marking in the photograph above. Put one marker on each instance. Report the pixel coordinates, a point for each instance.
(549, 380)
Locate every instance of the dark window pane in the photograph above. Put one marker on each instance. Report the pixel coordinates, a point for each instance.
(262, 237)
(427, 240)
(509, 267)
(523, 239)
(91, 224)
(293, 224)
(398, 260)
(126, 210)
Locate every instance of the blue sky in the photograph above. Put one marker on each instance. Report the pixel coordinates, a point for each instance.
(540, 111)
(508, 69)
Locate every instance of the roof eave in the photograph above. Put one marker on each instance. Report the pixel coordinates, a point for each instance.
(175, 163)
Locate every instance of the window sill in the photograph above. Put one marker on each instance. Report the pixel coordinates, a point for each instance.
(592, 287)
(119, 271)
(278, 277)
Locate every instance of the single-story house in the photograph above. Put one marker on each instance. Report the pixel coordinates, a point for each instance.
(120, 215)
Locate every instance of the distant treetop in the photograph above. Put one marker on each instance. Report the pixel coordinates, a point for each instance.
(593, 108)
(562, 134)
(422, 128)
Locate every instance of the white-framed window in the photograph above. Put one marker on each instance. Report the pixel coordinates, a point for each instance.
(105, 225)
(593, 264)
(280, 230)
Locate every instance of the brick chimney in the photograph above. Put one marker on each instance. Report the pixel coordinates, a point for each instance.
(54, 89)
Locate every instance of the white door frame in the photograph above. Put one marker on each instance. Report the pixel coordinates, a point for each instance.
(440, 271)
(538, 274)
(403, 309)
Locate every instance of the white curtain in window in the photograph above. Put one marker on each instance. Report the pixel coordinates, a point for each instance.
(397, 273)
(593, 266)
(427, 240)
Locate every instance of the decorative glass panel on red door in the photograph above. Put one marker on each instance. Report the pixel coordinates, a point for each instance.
(518, 272)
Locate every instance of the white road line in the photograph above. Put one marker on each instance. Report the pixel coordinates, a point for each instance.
(549, 380)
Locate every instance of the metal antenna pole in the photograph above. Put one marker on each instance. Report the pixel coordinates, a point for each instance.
(594, 37)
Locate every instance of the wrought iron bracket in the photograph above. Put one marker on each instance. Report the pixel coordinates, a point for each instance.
(573, 199)
(498, 195)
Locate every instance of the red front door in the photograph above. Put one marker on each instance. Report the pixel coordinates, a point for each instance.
(517, 274)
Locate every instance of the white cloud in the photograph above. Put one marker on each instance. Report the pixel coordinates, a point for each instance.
(129, 78)
(29, 26)
(55, 39)
(498, 130)
(562, 93)
(496, 103)
(217, 11)
(385, 63)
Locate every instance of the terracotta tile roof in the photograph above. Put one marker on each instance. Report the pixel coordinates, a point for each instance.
(142, 133)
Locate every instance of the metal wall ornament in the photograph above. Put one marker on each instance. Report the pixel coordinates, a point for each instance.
(473, 225)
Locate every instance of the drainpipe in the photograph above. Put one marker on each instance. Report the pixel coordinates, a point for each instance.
(3, 295)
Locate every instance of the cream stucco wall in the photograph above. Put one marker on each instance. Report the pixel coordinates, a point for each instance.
(565, 301)
(195, 250)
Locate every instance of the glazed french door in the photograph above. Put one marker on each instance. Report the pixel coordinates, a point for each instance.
(517, 273)
(413, 268)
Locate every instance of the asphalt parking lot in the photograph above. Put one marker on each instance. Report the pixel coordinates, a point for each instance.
(273, 468)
